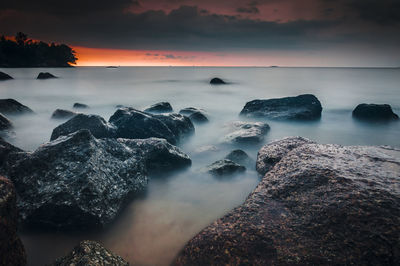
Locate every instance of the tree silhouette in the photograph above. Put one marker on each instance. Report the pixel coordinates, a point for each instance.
(24, 52)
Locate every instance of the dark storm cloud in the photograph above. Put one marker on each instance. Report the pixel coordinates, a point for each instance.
(251, 9)
(381, 11)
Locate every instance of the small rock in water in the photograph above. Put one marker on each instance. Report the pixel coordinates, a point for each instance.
(374, 112)
(302, 107)
(12, 251)
(90, 253)
(225, 167)
(62, 114)
(161, 107)
(80, 106)
(217, 81)
(4, 76)
(13, 107)
(246, 132)
(195, 114)
(241, 157)
(45, 75)
(5, 123)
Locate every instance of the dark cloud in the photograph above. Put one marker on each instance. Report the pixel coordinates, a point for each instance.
(251, 10)
(379, 11)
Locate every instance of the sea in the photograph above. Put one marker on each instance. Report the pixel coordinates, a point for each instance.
(154, 227)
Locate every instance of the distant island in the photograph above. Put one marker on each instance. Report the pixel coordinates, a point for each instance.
(23, 52)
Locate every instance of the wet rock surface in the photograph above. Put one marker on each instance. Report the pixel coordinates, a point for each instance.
(302, 107)
(62, 114)
(195, 114)
(225, 167)
(5, 123)
(90, 253)
(4, 76)
(217, 81)
(246, 132)
(132, 123)
(272, 153)
(45, 75)
(94, 123)
(319, 205)
(13, 107)
(78, 181)
(161, 107)
(374, 112)
(80, 106)
(12, 251)
(242, 158)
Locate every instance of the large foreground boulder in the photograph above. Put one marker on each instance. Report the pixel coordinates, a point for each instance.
(161, 107)
(78, 181)
(302, 107)
(374, 112)
(94, 123)
(318, 205)
(4, 76)
(246, 132)
(90, 253)
(11, 106)
(134, 124)
(12, 251)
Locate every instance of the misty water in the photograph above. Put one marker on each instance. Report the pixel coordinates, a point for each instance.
(154, 227)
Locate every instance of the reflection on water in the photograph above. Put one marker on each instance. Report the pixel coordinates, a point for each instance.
(152, 229)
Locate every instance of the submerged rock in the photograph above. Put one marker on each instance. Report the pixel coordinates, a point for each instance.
(90, 253)
(161, 107)
(4, 76)
(80, 106)
(94, 123)
(195, 114)
(217, 81)
(318, 205)
(302, 107)
(246, 132)
(78, 181)
(374, 112)
(45, 75)
(11, 106)
(134, 124)
(62, 114)
(4, 123)
(241, 157)
(272, 153)
(225, 167)
(12, 251)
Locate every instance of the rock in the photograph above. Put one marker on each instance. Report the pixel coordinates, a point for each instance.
(319, 205)
(272, 153)
(80, 106)
(78, 181)
(90, 253)
(11, 106)
(134, 124)
(9, 154)
(217, 81)
(161, 107)
(374, 112)
(12, 251)
(302, 107)
(196, 115)
(225, 167)
(241, 157)
(45, 75)
(94, 123)
(4, 76)
(206, 149)
(62, 114)
(246, 132)
(5, 124)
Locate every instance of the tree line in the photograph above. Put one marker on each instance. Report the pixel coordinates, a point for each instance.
(24, 52)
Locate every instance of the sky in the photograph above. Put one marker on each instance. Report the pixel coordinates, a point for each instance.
(346, 33)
